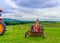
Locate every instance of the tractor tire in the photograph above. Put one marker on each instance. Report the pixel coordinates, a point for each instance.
(2, 28)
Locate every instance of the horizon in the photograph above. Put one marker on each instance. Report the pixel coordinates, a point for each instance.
(26, 20)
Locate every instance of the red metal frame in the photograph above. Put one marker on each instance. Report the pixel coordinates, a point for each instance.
(1, 10)
(1, 18)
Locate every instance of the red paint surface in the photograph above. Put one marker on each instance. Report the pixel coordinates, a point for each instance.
(1, 19)
(36, 27)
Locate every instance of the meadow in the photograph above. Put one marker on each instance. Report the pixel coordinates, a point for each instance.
(16, 34)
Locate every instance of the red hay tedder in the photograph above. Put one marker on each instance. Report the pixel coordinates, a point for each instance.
(36, 30)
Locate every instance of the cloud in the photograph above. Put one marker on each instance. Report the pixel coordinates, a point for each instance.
(32, 9)
(50, 14)
(11, 4)
(7, 15)
(37, 3)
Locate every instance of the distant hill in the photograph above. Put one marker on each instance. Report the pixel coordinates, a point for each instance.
(9, 21)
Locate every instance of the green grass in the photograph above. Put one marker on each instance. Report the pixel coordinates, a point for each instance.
(16, 34)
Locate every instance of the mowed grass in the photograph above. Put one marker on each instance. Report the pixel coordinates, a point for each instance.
(16, 34)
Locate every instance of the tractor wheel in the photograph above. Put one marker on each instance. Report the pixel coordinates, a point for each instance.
(2, 28)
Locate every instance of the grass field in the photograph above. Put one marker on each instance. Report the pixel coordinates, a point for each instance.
(16, 34)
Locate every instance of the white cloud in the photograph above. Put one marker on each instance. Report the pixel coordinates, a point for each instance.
(26, 13)
(29, 16)
(7, 15)
(11, 4)
(42, 14)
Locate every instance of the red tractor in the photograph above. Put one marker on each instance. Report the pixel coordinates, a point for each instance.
(2, 25)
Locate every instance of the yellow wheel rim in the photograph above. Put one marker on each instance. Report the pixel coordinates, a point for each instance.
(1, 28)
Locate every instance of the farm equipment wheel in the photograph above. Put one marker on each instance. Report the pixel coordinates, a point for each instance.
(27, 34)
(44, 35)
(2, 28)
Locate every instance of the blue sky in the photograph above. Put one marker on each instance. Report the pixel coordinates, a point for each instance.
(31, 9)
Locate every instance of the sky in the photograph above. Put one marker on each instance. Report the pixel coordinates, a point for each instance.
(44, 10)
